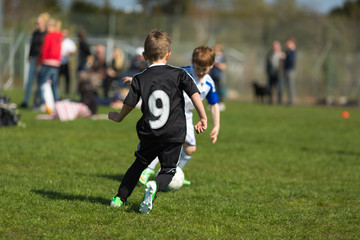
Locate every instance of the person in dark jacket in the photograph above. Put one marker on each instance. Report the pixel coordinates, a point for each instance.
(35, 48)
(84, 51)
(274, 62)
(289, 69)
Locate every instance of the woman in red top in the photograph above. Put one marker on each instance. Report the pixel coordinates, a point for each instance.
(50, 58)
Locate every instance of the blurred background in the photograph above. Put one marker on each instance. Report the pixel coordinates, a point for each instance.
(327, 36)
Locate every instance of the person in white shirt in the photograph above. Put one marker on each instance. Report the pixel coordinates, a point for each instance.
(68, 47)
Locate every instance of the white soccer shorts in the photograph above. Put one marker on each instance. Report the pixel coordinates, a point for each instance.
(190, 132)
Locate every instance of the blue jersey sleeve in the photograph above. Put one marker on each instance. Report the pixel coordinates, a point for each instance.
(212, 96)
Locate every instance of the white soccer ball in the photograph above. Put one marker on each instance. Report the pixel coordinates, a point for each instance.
(178, 180)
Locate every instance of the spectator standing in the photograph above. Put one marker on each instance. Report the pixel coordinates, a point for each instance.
(217, 73)
(84, 51)
(68, 47)
(289, 69)
(274, 60)
(35, 47)
(50, 59)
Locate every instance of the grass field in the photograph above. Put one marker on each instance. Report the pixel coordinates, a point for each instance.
(276, 173)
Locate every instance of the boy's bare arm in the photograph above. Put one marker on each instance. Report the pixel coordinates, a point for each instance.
(202, 124)
(118, 117)
(215, 114)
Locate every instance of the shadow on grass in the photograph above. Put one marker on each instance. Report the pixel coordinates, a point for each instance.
(114, 177)
(132, 207)
(62, 196)
(338, 152)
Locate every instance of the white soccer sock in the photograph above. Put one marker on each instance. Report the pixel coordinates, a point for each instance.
(184, 159)
(153, 164)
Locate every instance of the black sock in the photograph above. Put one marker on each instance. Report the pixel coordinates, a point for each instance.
(130, 180)
(164, 178)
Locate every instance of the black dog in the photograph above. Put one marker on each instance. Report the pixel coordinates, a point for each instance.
(260, 92)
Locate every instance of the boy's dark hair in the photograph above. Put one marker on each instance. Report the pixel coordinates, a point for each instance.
(157, 45)
(203, 56)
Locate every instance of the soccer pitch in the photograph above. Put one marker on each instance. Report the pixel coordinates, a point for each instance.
(276, 172)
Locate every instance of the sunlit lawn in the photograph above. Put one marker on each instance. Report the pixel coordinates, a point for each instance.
(276, 172)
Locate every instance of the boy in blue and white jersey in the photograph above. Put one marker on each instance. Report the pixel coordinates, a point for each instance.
(203, 59)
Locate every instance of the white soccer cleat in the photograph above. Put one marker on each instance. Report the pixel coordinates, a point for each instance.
(149, 195)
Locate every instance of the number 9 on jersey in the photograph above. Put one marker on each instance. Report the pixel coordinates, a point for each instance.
(162, 113)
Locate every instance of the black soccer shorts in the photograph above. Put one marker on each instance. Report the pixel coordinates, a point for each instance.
(168, 153)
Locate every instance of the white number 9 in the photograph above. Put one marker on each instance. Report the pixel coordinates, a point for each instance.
(163, 112)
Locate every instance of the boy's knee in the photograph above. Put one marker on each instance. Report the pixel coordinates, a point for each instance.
(189, 150)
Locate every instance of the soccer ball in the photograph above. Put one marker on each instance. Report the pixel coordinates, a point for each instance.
(178, 180)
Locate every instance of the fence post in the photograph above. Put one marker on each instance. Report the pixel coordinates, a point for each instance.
(1, 33)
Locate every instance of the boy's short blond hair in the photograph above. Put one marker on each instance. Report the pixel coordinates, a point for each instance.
(203, 56)
(157, 45)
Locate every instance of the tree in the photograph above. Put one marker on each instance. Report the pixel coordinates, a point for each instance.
(82, 6)
(350, 9)
(51, 6)
(22, 13)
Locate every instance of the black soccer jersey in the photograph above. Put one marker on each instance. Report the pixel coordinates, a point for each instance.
(161, 89)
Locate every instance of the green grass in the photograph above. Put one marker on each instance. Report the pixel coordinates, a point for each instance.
(276, 172)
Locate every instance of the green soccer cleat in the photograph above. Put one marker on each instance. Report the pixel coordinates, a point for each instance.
(116, 202)
(149, 195)
(145, 175)
(186, 182)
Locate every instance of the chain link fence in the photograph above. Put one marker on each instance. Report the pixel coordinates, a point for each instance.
(328, 59)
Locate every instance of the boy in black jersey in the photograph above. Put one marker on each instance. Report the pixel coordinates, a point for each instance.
(162, 127)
